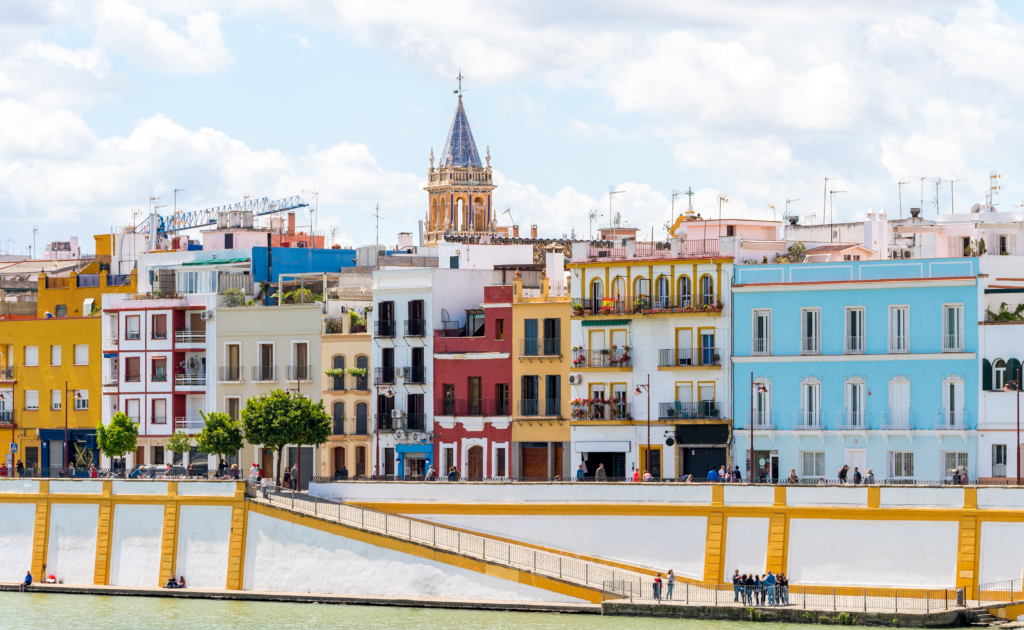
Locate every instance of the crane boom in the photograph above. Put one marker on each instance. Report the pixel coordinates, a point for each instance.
(199, 218)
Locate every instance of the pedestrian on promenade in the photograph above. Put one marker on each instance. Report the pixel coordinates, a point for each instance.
(963, 479)
(453, 475)
(636, 475)
(657, 587)
(737, 581)
(769, 587)
(671, 582)
(737, 476)
(295, 475)
(181, 581)
(287, 481)
(784, 588)
(956, 477)
(750, 585)
(254, 472)
(764, 588)
(843, 473)
(27, 582)
(647, 476)
(71, 470)
(601, 474)
(93, 472)
(712, 475)
(792, 476)
(721, 474)
(857, 477)
(579, 473)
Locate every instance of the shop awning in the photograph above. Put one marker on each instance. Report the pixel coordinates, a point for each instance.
(605, 322)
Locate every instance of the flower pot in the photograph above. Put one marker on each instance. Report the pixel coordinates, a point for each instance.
(588, 311)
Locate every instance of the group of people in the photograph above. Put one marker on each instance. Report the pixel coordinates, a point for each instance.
(670, 581)
(725, 474)
(172, 583)
(845, 477)
(758, 590)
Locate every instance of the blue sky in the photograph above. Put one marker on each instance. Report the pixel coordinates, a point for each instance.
(103, 103)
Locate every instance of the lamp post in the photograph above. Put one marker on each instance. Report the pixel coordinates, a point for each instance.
(760, 389)
(78, 396)
(387, 393)
(1016, 388)
(636, 392)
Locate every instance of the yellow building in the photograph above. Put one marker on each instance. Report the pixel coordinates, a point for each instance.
(73, 295)
(346, 398)
(540, 371)
(50, 373)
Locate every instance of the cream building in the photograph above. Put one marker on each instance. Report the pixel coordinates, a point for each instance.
(346, 398)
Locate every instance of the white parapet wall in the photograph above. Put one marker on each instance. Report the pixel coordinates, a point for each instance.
(204, 536)
(71, 551)
(514, 492)
(287, 557)
(135, 545)
(17, 524)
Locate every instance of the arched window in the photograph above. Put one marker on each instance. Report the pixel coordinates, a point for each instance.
(998, 374)
(362, 363)
(707, 291)
(339, 417)
(338, 382)
(661, 295)
(619, 292)
(641, 293)
(685, 292)
(362, 416)
(596, 294)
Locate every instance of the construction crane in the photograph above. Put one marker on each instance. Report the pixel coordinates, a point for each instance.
(198, 218)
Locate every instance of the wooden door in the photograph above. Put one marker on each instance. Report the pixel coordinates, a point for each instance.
(535, 462)
(360, 461)
(339, 459)
(140, 456)
(558, 459)
(267, 463)
(476, 462)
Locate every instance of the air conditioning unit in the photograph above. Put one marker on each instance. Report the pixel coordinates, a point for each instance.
(397, 413)
(416, 437)
(206, 316)
(575, 379)
(399, 435)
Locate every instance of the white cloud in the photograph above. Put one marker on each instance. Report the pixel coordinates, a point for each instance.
(151, 43)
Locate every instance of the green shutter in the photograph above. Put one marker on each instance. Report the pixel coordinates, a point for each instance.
(986, 375)
(1012, 367)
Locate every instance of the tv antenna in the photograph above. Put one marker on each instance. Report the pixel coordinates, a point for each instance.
(508, 211)
(722, 198)
(832, 216)
(993, 189)
(611, 195)
(772, 206)
(593, 217)
(907, 180)
(672, 216)
(938, 181)
(376, 215)
(952, 204)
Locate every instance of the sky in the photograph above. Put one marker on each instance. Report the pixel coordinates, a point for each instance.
(106, 103)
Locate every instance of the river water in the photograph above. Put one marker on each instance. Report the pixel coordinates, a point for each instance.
(64, 612)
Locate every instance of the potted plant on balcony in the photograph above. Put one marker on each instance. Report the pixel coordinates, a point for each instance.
(577, 307)
(579, 409)
(715, 358)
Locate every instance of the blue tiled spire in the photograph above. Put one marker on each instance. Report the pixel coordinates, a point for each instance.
(460, 148)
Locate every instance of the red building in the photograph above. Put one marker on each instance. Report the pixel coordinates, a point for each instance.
(472, 388)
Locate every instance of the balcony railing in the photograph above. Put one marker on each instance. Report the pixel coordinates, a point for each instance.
(230, 373)
(384, 328)
(546, 407)
(300, 372)
(998, 470)
(810, 345)
(416, 421)
(336, 383)
(761, 346)
(415, 327)
(416, 374)
(952, 343)
(601, 306)
(897, 420)
(361, 425)
(613, 357)
(88, 280)
(852, 420)
(189, 423)
(854, 345)
(700, 247)
(6, 417)
(471, 407)
(197, 379)
(7, 374)
(596, 251)
(763, 420)
(160, 375)
(339, 426)
(184, 335)
(700, 410)
(132, 378)
(110, 340)
(110, 380)
(384, 375)
(610, 410)
(385, 422)
(159, 334)
(899, 344)
(807, 421)
(950, 420)
(119, 280)
(158, 419)
(540, 347)
(688, 357)
(132, 335)
(652, 249)
(264, 373)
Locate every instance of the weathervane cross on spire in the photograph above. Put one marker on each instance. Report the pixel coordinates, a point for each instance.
(460, 90)
(689, 193)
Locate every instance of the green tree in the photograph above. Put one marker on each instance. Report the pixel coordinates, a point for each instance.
(220, 435)
(118, 438)
(277, 419)
(179, 443)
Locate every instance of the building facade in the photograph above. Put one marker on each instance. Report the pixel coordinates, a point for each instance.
(870, 364)
(347, 397)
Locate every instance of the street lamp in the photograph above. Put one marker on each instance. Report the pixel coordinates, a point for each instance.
(1015, 387)
(78, 396)
(760, 389)
(639, 389)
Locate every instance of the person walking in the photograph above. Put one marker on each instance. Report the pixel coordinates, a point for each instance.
(758, 590)
(453, 475)
(579, 473)
(769, 587)
(671, 582)
(657, 587)
(857, 477)
(956, 477)
(737, 476)
(869, 478)
(792, 476)
(843, 472)
(737, 581)
(636, 475)
(601, 474)
(254, 472)
(712, 475)
(295, 476)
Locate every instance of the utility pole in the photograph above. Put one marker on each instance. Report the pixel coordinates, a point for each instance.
(376, 215)
(824, 197)
(832, 216)
(35, 230)
(672, 215)
(952, 202)
(723, 197)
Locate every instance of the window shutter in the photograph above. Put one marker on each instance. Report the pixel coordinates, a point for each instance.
(1012, 367)
(986, 375)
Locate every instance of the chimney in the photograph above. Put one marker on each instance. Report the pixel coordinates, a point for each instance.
(533, 231)
(515, 231)
(291, 224)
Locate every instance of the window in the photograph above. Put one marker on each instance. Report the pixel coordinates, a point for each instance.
(761, 343)
(158, 455)
(499, 462)
(475, 323)
(707, 291)
(952, 328)
(901, 464)
(266, 371)
(499, 329)
(899, 333)
(54, 355)
(229, 241)
(529, 395)
(159, 411)
(338, 416)
(159, 327)
(233, 407)
(596, 294)
(55, 396)
(131, 327)
(899, 404)
(160, 369)
(552, 336)
(552, 387)
(82, 354)
(685, 292)
(31, 400)
(1004, 245)
(132, 409)
(854, 414)
(233, 367)
(810, 404)
(453, 262)
(61, 310)
(730, 230)
(810, 331)
(661, 299)
(952, 405)
(131, 369)
(812, 463)
(851, 256)
(82, 400)
(763, 405)
(998, 374)
(854, 331)
(31, 356)
(529, 337)
(953, 461)
(998, 460)
(501, 399)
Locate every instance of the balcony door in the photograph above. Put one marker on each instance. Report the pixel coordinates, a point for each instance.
(855, 403)
(899, 334)
(953, 403)
(899, 403)
(810, 403)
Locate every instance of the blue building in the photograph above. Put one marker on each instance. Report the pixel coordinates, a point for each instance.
(288, 260)
(872, 364)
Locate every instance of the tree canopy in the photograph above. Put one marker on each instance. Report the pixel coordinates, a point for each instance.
(118, 438)
(220, 435)
(278, 418)
(179, 443)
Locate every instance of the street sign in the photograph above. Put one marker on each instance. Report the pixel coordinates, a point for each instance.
(14, 447)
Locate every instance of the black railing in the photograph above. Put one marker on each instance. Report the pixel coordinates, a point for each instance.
(384, 328)
(705, 409)
(688, 357)
(299, 372)
(553, 407)
(416, 374)
(91, 280)
(384, 421)
(536, 347)
(230, 373)
(450, 329)
(613, 357)
(6, 417)
(264, 373)
(362, 383)
(339, 426)
(527, 407)
(415, 421)
(7, 374)
(336, 384)
(384, 375)
(415, 327)
(361, 422)
(119, 280)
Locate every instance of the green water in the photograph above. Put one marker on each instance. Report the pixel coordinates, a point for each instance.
(64, 612)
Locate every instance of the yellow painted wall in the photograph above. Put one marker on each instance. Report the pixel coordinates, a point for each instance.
(349, 346)
(73, 297)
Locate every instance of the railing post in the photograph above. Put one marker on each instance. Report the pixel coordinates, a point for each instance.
(927, 601)
(535, 564)
(805, 598)
(586, 574)
(687, 593)
(833, 598)
(560, 569)
(865, 600)
(459, 544)
(896, 600)
(716, 586)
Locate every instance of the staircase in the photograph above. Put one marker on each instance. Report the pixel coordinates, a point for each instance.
(988, 620)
